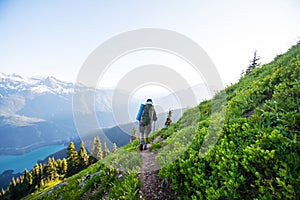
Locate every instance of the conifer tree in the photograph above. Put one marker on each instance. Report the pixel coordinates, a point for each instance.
(82, 157)
(59, 167)
(13, 182)
(12, 185)
(253, 63)
(28, 178)
(114, 148)
(2, 192)
(51, 169)
(18, 181)
(21, 186)
(106, 150)
(21, 179)
(41, 170)
(134, 135)
(72, 159)
(96, 149)
(13, 190)
(64, 166)
(36, 174)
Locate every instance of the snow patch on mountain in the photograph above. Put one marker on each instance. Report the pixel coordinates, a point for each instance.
(39, 89)
(38, 85)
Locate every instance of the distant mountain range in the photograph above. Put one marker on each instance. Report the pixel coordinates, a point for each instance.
(38, 111)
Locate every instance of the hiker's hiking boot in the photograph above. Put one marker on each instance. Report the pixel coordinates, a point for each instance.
(145, 146)
(141, 147)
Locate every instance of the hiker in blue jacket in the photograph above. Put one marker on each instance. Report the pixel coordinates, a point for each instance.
(146, 116)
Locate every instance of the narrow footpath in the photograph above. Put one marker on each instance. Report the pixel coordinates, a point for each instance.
(152, 186)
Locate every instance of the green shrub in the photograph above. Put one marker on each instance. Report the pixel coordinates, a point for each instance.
(156, 145)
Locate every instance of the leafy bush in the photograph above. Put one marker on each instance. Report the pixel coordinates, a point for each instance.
(155, 146)
(128, 188)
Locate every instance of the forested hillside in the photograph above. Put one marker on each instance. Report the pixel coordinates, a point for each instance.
(256, 154)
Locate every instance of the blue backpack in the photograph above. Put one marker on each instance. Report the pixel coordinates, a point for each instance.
(139, 115)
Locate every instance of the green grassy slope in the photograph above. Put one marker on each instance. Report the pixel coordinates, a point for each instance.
(104, 182)
(256, 156)
(258, 151)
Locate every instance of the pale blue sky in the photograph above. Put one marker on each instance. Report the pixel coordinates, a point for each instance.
(55, 37)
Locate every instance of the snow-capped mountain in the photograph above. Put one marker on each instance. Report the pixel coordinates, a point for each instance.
(37, 111)
(20, 95)
(36, 85)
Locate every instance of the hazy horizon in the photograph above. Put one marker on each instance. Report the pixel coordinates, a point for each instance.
(54, 38)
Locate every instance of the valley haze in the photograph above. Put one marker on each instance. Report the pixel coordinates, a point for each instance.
(36, 113)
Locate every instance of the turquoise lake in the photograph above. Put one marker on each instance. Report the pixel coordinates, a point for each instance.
(26, 161)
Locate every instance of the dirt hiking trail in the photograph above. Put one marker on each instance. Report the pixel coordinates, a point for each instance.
(153, 187)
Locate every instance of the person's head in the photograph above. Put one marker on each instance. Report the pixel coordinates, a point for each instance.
(149, 101)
